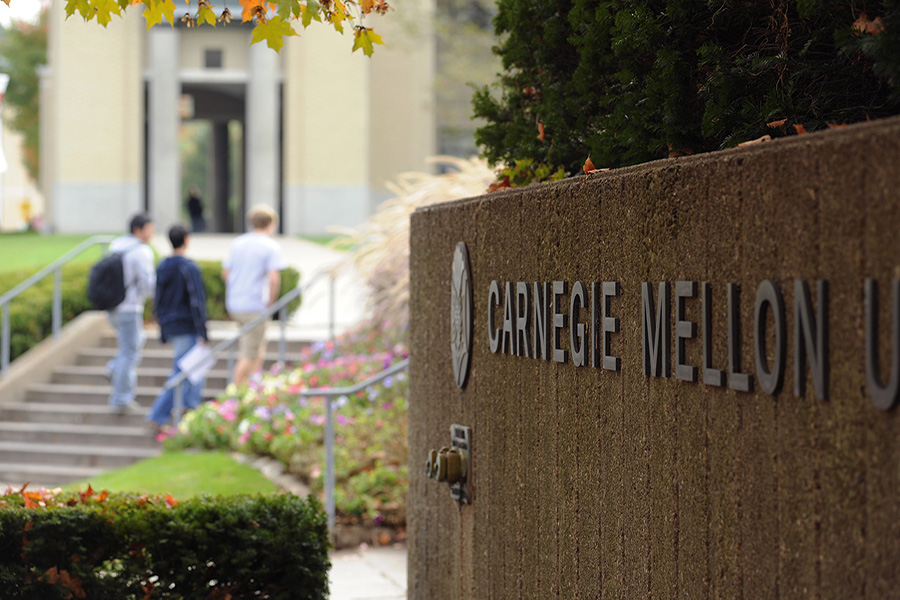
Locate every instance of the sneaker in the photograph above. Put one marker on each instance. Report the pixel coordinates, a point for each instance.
(131, 407)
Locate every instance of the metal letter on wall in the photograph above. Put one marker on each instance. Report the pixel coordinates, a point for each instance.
(884, 396)
(770, 380)
(461, 315)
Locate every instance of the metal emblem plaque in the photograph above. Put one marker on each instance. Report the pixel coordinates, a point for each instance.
(461, 315)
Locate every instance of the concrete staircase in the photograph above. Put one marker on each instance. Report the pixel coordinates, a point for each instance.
(58, 428)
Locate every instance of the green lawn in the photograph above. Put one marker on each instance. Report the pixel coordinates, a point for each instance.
(183, 474)
(32, 251)
(326, 240)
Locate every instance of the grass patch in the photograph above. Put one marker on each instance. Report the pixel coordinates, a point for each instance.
(21, 251)
(184, 475)
(327, 240)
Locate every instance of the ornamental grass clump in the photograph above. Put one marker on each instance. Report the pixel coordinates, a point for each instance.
(381, 244)
(267, 417)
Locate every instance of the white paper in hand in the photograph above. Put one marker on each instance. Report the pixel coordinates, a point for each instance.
(200, 359)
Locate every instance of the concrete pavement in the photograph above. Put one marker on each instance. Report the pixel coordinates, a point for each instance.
(369, 573)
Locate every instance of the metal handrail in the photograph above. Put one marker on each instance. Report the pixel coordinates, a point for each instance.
(56, 268)
(280, 307)
(329, 394)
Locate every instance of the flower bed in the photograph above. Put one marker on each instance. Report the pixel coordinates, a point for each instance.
(266, 417)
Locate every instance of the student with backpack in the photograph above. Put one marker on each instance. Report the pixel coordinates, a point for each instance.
(127, 316)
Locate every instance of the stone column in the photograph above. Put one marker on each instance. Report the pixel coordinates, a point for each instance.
(262, 128)
(164, 164)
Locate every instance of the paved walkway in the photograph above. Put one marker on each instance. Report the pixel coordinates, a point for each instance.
(369, 573)
(311, 321)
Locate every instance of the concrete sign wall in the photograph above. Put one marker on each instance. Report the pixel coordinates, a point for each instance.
(680, 382)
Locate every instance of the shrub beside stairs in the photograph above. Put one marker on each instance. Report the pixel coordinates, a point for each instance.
(56, 426)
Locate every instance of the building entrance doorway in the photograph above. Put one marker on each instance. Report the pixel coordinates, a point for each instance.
(211, 146)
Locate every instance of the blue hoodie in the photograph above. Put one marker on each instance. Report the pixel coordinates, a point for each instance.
(180, 298)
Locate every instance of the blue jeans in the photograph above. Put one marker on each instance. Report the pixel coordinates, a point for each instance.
(162, 406)
(130, 337)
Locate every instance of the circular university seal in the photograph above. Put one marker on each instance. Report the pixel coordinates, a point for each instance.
(460, 314)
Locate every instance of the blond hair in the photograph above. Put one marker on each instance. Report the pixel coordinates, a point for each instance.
(261, 216)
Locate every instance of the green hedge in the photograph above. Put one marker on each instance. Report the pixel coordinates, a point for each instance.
(123, 547)
(30, 314)
(627, 81)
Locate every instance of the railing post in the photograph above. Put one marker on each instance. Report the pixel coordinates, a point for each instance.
(331, 308)
(178, 407)
(282, 322)
(4, 343)
(231, 362)
(329, 463)
(57, 302)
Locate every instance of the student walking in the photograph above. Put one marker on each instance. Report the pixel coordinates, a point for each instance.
(128, 316)
(181, 314)
(252, 273)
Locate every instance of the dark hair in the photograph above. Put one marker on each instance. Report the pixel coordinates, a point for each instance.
(139, 221)
(177, 235)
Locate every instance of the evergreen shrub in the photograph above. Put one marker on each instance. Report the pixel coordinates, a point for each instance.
(626, 82)
(31, 313)
(122, 547)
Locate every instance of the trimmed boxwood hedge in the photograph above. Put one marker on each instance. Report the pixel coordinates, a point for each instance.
(123, 547)
(31, 314)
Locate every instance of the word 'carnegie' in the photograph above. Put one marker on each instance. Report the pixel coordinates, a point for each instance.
(535, 314)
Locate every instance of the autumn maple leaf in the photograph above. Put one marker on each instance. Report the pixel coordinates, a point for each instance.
(273, 32)
(251, 9)
(365, 38)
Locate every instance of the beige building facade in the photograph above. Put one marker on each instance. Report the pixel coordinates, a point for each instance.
(319, 129)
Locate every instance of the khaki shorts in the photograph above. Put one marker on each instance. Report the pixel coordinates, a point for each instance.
(252, 344)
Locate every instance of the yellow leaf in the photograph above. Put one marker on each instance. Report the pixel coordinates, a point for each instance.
(338, 15)
(365, 38)
(206, 15)
(104, 9)
(157, 10)
(310, 12)
(82, 6)
(273, 32)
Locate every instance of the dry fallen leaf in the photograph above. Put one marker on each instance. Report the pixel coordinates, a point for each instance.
(499, 185)
(588, 166)
(836, 125)
(800, 129)
(759, 140)
(779, 124)
(866, 25)
(541, 135)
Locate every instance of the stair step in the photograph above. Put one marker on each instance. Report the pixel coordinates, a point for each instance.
(161, 358)
(78, 414)
(108, 457)
(152, 342)
(15, 475)
(147, 376)
(95, 395)
(69, 433)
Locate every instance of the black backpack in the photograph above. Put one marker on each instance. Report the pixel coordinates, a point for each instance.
(106, 285)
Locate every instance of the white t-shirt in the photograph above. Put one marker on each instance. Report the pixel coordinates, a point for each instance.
(250, 259)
